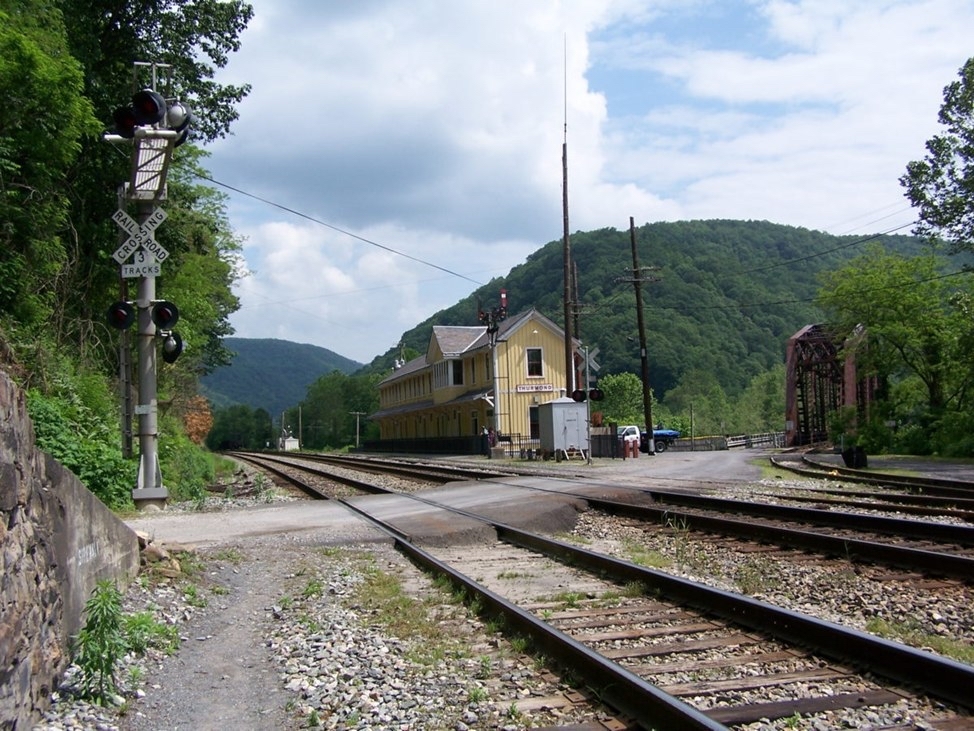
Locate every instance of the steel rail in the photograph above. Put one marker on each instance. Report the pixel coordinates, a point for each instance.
(938, 676)
(925, 530)
(617, 687)
(927, 485)
(938, 564)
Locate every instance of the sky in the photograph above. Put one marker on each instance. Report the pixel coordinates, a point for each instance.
(392, 157)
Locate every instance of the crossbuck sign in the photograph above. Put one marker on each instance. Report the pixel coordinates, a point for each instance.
(140, 237)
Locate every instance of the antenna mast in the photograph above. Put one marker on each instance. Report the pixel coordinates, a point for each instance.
(566, 246)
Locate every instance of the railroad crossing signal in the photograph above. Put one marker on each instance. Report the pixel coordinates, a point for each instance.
(140, 237)
(120, 315)
(148, 107)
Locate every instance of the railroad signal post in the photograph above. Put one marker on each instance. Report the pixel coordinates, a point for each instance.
(154, 125)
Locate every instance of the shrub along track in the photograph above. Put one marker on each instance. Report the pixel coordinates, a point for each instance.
(706, 636)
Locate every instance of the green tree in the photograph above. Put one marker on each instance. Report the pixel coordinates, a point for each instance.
(195, 37)
(761, 407)
(235, 428)
(623, 402)
(916, 319)
(941, 186)
(699, 393)
(43, 119)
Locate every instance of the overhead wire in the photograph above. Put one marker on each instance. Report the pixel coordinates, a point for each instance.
(339, 229)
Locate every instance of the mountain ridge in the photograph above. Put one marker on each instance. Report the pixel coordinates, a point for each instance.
(271, 374)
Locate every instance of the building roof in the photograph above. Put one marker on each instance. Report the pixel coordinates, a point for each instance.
(456, 340)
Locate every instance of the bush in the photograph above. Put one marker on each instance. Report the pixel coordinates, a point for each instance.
(187, 468)
(83, 442)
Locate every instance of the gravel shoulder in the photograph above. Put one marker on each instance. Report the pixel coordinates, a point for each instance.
(232, 669)
(224, 675)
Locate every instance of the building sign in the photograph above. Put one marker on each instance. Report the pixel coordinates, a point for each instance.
(535, 388)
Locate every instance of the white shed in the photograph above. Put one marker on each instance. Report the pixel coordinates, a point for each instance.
(563, 426)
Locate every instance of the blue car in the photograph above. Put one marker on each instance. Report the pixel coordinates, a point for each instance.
(662, 439)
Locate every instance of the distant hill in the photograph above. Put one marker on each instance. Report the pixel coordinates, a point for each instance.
(720, 296)
(271, 374)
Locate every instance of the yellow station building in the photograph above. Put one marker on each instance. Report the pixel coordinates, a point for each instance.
(465, 386)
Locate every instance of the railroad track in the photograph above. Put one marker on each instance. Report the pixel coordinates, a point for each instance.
(932, 548)
(667, 652)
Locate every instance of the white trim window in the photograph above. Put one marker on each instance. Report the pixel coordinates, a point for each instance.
(535, 362)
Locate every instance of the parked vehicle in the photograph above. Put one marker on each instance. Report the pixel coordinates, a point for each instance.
(662, 439)
(628, 433)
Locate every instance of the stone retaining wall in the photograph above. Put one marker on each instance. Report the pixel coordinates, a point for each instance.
(57, 540)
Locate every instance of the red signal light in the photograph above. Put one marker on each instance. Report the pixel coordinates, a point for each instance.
(120, 315)
(148, 107)
(165, 315)
(578, 395)
(125, 122)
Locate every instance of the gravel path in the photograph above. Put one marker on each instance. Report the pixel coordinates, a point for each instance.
(286, 641)
(275, 635)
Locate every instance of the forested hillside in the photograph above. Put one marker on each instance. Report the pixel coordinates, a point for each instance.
(270, 374)
(725, 296)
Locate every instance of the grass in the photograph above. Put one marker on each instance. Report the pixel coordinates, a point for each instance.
(514, 575)
(757, 575)
(643, 556)
(911, 634)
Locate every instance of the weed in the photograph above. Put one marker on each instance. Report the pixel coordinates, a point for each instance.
(100, 643)
(513, 712)
(486, 667)
(189, 563)
(313, 720)
(569, 598)
(309, 622)
(756, 575)
(642, 556)
(193, 596)
(477, 694)
(219, 590)
(230, 555)
(513, 575)
(142, 631)
(793, 721)
(520, 644)
(313, 589)
(634, 589)
(494, 624)
(135, 675)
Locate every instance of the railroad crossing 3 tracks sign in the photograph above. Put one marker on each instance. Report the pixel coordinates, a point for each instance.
(140, 237)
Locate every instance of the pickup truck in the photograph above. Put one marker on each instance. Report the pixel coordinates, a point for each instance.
(662, 439)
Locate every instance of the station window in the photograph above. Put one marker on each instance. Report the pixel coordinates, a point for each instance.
(535, 368)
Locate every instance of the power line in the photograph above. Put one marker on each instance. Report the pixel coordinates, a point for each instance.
(897, 285)
(849, 245)
(340, 230)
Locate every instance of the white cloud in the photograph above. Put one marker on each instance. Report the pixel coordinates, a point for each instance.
(435, 130)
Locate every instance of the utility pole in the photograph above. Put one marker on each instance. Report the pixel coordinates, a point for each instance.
(357, 415)
(567, 250)
(492, 320)
(154, 125)
(643, 357)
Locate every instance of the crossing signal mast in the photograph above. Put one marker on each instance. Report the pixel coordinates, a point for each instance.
(154, 123)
